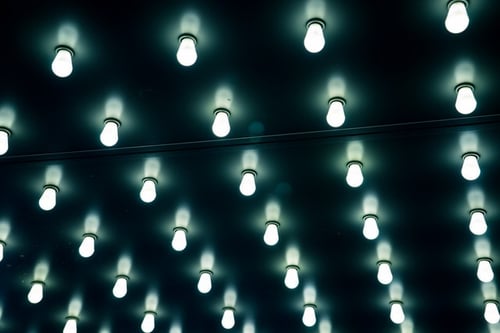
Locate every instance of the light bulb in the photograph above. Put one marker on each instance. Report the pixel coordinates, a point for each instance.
(120, 287)
(484, 270)
(336, 115)
(109, 134)
(62, 65)
(148, 323)
(477, 224)
(384, 274)
(70, 326)
(179, 241)
(466, 102)
(292, 277)
(35, 295)
(227, 320)
(354, 177)
(247, 185)
(470, 166)
(4, 140)
(397, 314)
(491, 313)
(87, 247)
(457, 19)
(370, 227)
(314, 41)
(221, 125)
(186, 54)
(309, 315)
(148, 190)
(2, 246)
(271, 235)
(48, 199)
(205, 281)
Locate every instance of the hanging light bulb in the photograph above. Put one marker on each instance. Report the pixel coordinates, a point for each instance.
(4, 140)
(370, 227)
(148, 190)
(186, 53)
(466, 102)
(314, 41)
(477, 224)
(484, 270)
(247, 185)
(354, 175)
(48, 199)
(2, 246)
(35, 295)
(470, 166)
(109, 134)
(397, 314)
(179, 241)
(491, 313)
(292, 276)
(457, 19)
(336, 115)
(309, 315)
(120, 287)
(70, 326)
(205, 281)
(221, 125)
(148, 323)
(271, 235)
(384, 274)
(228, 320)
(87, 247)
(62, 65)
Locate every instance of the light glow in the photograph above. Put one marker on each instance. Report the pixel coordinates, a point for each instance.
(271, 235)
(314, 40)
(35, 295)
(491, 313)
(457, 19)
(4, 140)
(247, 185)
(336, 115)
(87, 247)
(179, 241)
(484, 271)
(354, 177)
(148, 190)
(309, 315)
(205, 281)
(370, 227)
(148, 322)
(397, 314)
(470, 166)
(120, 286)
(48, 199)
(477, 224)
(186, 53)
(384, 274)
(109, 134)
(292, 277)
(228, 320)
(221, 126)
(62, 65)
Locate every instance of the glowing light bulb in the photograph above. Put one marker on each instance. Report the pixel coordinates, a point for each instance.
(109, 134)
(370, 227)
(470, 166)
(457, 19)
(221, 126)
(309, 315)
(35, 295)
(247, 185)
(2, 246)
(477, 224)
(491, 313)
(484, 270)
(62, 65)
(271, 235)
(314, 40)
(148, 323)
(48, 199)
(228, 320)
(148, 191)
(120, 287)
(292, 276)
(179, 241)
(4, 140)
(466, 102)
(384, 274)
(87, 247)
(354, 177)
(205, 281)
(70, 326)
(186, 53)
(336, 115)
(397, 314)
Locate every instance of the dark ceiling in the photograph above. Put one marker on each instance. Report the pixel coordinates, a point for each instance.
(396, 66)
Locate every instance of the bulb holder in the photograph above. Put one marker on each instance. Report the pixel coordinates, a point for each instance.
(122, 276)
(470, 153)
(90, 234)
(463, 84)
(384, 261)
(251, 171)
(367, 216)
(276, 223)
(151, 179)
(208, 271)
(6, 130)
(71, 317)
(337, 99)
(180, 229)
(494, 301)
(316, 20)
(54, 187)
(189, 36)
(226, 111)
(477, 210)
(232, 308)
(38, 281)
(310, 305)
(112, 120)
(488, 259)
(354, 162)
(396, 302)
(296, 267)
(465, 2)
(65, 48)
(3, 243)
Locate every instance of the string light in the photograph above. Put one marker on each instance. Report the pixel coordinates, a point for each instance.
(205, 281)
(148, 190)
(228, 320)
(477, 224)
(470, 166)
(397, 314)
(62, 65)
(120, 286)
(384, 274)
(35, 295)
(491, 313)
(48, 199)
(370, 227)
(109, 134)
(354, 177)
(457, 19)
(70, 326)
(292, 276)
(466, 102)
(179, 241)
(309, 315)
(271, 235)
(314, 40)
(87, 247)
(186, 53)
(4, 140)
(336, 115)
(247, 185)
(148, 322)
(221, 126)
(484, 271)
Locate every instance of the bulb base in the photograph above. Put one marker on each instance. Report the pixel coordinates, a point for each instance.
(476, 155)
(337, 99)
(65, 48)
(112, 120)
(354, 162)
(317, 21)
(384, 261)
(465, 2)
(89, 234)
(251, 171)
(367, 216)
(187, 35)
(296, 267)
(463, 84)
(477, 210)
(276, 223)
(218, 110)
(54, 187)
(6, 130)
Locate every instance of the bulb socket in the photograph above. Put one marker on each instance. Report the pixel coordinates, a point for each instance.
(384, 261)
(494, 301)
(208, 271)
(122, 276)
(477, 210)
(463, 84)
(112, 120)
(151, 179)
(65, 48)
(189, 36)
(3, 243)
(54, 187)
(310, 305)
(488, 259)
(253, 172)
(354, 162)
(292, 267)
(367, 216)
(150, 312)
(396, 302)
(337, 99)
(6, 130)
(465, 2)
(229, 308)
(218, 110)
(72, 317)
(276, 223)
(476, 155)
(316, 20)
(89, 234)
(38, 281)
(178, 228)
